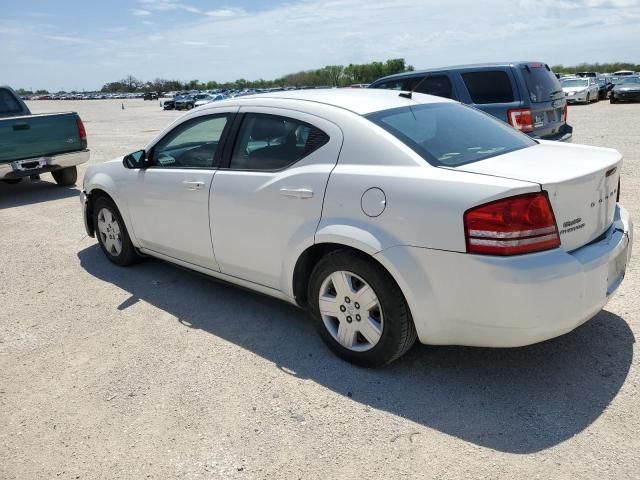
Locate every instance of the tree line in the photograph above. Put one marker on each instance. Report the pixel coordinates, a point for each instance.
(597, 67)
(328, 76)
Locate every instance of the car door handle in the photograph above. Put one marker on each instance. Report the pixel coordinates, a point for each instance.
(296, 192)
(193, 185)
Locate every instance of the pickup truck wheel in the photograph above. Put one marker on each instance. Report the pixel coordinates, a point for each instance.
(112, 233)
(359, 310)
(66, 176)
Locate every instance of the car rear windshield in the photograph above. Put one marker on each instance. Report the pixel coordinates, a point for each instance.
(542, 84)
(8, 103)
(575, 82)
(450, 134)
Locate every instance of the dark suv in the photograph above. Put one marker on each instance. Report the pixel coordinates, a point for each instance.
(526, 95)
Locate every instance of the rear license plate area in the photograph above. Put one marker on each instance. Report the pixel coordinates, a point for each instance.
(539, 120)
(26, 165)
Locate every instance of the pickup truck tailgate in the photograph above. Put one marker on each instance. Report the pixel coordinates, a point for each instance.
(39, 135)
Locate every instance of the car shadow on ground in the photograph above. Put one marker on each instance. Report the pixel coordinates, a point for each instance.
(519, 400)
(29, 192)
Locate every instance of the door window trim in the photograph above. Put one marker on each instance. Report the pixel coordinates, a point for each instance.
(217, 158)
(234, 137)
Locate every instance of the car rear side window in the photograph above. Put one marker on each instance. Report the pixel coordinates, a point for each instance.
(450, 134)
(8, 103)
(438, 85)
(272, 142)
(489, 87)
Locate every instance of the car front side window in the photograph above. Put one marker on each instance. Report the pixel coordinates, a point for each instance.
(192, 144)
(272, 142)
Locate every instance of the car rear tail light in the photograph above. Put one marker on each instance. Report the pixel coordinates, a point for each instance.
(521, 119)
(82, 133)
(512, 226)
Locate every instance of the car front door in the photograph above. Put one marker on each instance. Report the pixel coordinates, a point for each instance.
(267, 196)
(169, 200)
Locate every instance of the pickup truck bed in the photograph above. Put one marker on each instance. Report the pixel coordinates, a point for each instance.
(35, 144)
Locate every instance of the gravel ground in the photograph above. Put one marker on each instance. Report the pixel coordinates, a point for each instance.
(156, 372)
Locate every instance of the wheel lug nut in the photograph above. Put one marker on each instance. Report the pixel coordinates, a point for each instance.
(349, 319)
(343, 308)
(347, 300)
(357, 305)
(358, 318)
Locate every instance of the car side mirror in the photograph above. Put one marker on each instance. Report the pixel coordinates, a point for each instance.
(135, 160)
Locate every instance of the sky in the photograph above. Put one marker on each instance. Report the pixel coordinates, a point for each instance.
(81, 45)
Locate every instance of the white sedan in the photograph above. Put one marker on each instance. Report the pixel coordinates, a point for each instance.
(389, 216)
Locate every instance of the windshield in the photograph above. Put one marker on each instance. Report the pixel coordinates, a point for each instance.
(628, 80)
(541, 83)
(574, 82)
(450, 134)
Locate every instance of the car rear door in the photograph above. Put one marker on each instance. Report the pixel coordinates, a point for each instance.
(267, 197)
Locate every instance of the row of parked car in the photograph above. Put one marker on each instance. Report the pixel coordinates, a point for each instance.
(586, 87)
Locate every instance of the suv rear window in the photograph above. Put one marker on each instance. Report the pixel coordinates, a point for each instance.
(8, 103)
(542, 84)
(450, 134)
(488, 87)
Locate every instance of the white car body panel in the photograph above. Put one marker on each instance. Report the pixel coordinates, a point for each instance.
(253, 235)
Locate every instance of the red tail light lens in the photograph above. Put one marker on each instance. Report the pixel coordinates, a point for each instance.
(82, 133)
(512, 226)
(521, 119)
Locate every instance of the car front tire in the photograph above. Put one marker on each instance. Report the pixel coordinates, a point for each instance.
(112, 234)
(359, 310)
(65, 177)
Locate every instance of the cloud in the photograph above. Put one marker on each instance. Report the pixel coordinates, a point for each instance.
(68, 39)
(146, 22)
(223, 12)
(193, 43)
(139, 12)
(168, 5)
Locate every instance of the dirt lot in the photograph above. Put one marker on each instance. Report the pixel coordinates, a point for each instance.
(155, 372)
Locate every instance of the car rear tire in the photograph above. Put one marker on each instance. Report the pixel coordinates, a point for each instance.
(65, 177)
(112, 233)
(612, 100)
(588, 100)
(359, 310)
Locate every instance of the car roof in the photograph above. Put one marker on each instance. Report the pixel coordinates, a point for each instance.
(357, 100)
(478, 66)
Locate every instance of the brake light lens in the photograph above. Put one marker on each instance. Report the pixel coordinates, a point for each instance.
(512, 226)
(82, 133)
(521, 119)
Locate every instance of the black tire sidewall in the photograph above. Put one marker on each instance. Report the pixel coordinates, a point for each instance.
(394, 310)
(128, 254)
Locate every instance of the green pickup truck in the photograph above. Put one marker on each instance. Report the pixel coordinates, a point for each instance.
(35, 144)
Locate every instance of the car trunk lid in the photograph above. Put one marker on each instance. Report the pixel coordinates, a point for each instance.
(581, 181)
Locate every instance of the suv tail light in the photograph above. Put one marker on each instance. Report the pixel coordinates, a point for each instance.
(521, 119)
(512, 226)
(82, 133)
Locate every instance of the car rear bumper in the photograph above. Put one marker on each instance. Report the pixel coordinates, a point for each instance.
(36, 166)
(564, 134)
(464, 299)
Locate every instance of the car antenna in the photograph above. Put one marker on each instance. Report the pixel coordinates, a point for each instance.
(409, 94)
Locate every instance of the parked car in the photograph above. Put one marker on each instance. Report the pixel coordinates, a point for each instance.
(34, 144)
(626, 89)
(150, 96)
(604, 87)
(389, 217)
(623, 73)
(184, 102)
(208, 99)
(580, 90)
(527, 95)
